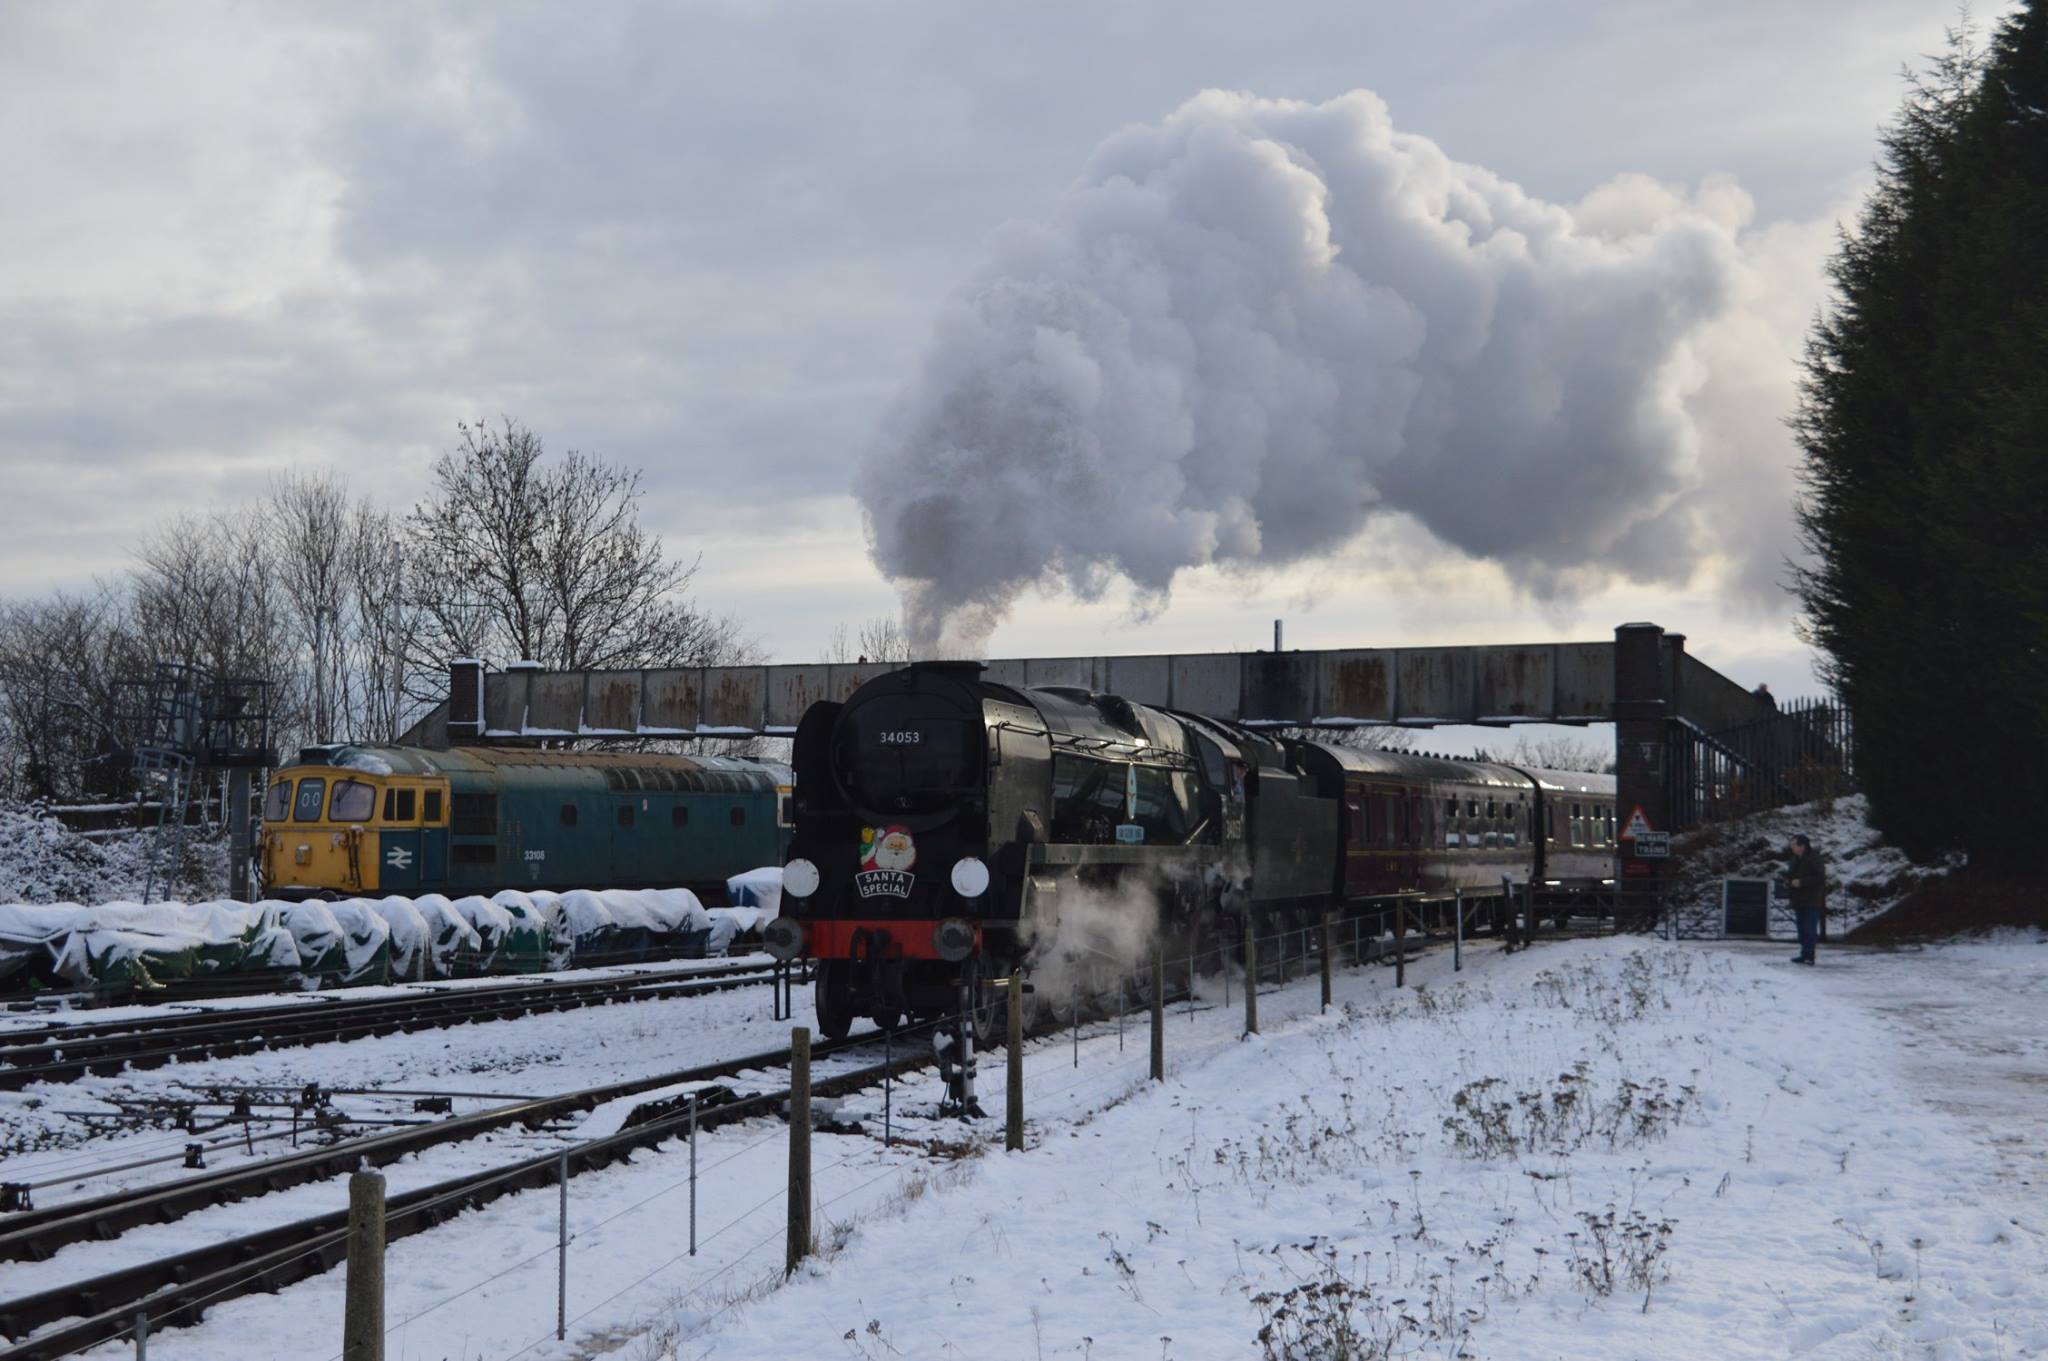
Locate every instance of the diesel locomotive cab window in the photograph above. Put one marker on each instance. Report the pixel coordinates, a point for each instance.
(353, 801)
(906, 753)
(312, 793)
(433, 813)
(473, 814)
(278, 801)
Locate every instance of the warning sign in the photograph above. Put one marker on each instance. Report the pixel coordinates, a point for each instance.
(1653, 846)
(1637, 825)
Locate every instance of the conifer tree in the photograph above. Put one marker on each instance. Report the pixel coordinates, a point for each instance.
(1925, 424)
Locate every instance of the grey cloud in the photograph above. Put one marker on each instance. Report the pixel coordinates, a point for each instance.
(711, 239)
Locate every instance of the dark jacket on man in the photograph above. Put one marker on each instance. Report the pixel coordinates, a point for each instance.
(1808, 879)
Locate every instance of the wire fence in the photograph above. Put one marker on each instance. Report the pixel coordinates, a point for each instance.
(1266, 963)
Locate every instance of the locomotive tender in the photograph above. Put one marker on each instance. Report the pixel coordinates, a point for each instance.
(362, 821)
(940, 818)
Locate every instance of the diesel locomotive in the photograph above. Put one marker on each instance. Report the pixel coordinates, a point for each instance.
(941, 819)
(364, 821)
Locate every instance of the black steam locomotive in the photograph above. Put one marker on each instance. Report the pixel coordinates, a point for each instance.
(941, 818)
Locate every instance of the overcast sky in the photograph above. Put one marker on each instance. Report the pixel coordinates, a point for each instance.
(712, 240)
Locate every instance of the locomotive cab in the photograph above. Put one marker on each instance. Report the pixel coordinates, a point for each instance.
(331, 829)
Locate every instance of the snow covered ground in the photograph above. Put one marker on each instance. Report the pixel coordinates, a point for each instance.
(1607, 1148)
(43, 861)
(1866, 877)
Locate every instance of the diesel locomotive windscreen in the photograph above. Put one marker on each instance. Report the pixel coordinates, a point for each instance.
(909, 753)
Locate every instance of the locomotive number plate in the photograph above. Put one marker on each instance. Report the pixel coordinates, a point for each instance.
(907, 737)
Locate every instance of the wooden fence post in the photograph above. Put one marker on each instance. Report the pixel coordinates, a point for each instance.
(1158, 1016)
(799, 1245)
(1400, 945)
(1251, 979)
(1326, 961)
(1013, 1122)
(362, 1327)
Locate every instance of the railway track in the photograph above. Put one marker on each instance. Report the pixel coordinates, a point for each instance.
(64, 1053)
(175, 1290)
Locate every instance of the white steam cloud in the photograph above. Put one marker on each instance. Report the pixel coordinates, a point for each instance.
(1250, 329)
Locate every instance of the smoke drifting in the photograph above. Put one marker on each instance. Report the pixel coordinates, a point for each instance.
(1249, 330)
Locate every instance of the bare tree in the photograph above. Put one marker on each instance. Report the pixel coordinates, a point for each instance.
(204, 595)
(1558, 751)
(387, 624)
(515, 560)
(60, 660)
(878, 639)
(307, 525)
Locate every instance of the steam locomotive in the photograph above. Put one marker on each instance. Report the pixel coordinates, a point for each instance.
(941, 820)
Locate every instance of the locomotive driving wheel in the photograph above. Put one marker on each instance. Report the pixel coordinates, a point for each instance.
(988, 1004)
(834, 1005)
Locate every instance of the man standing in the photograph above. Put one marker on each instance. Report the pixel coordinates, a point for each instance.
(1808, 881)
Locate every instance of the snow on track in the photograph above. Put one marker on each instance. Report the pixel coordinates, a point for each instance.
(526, 1055)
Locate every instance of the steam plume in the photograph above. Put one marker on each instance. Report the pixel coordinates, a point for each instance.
(1250, 329)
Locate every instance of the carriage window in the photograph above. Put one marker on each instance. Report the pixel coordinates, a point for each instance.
(433, 812)
(679, 816)
(625, 815)
(568, 815)
(1390, 819)
(278, 801)
(1451, 834)
(1357, 816)
(1578, 826)
(1511, 833)
(312, 794)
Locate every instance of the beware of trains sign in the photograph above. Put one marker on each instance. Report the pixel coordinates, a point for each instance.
(1637, 825)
